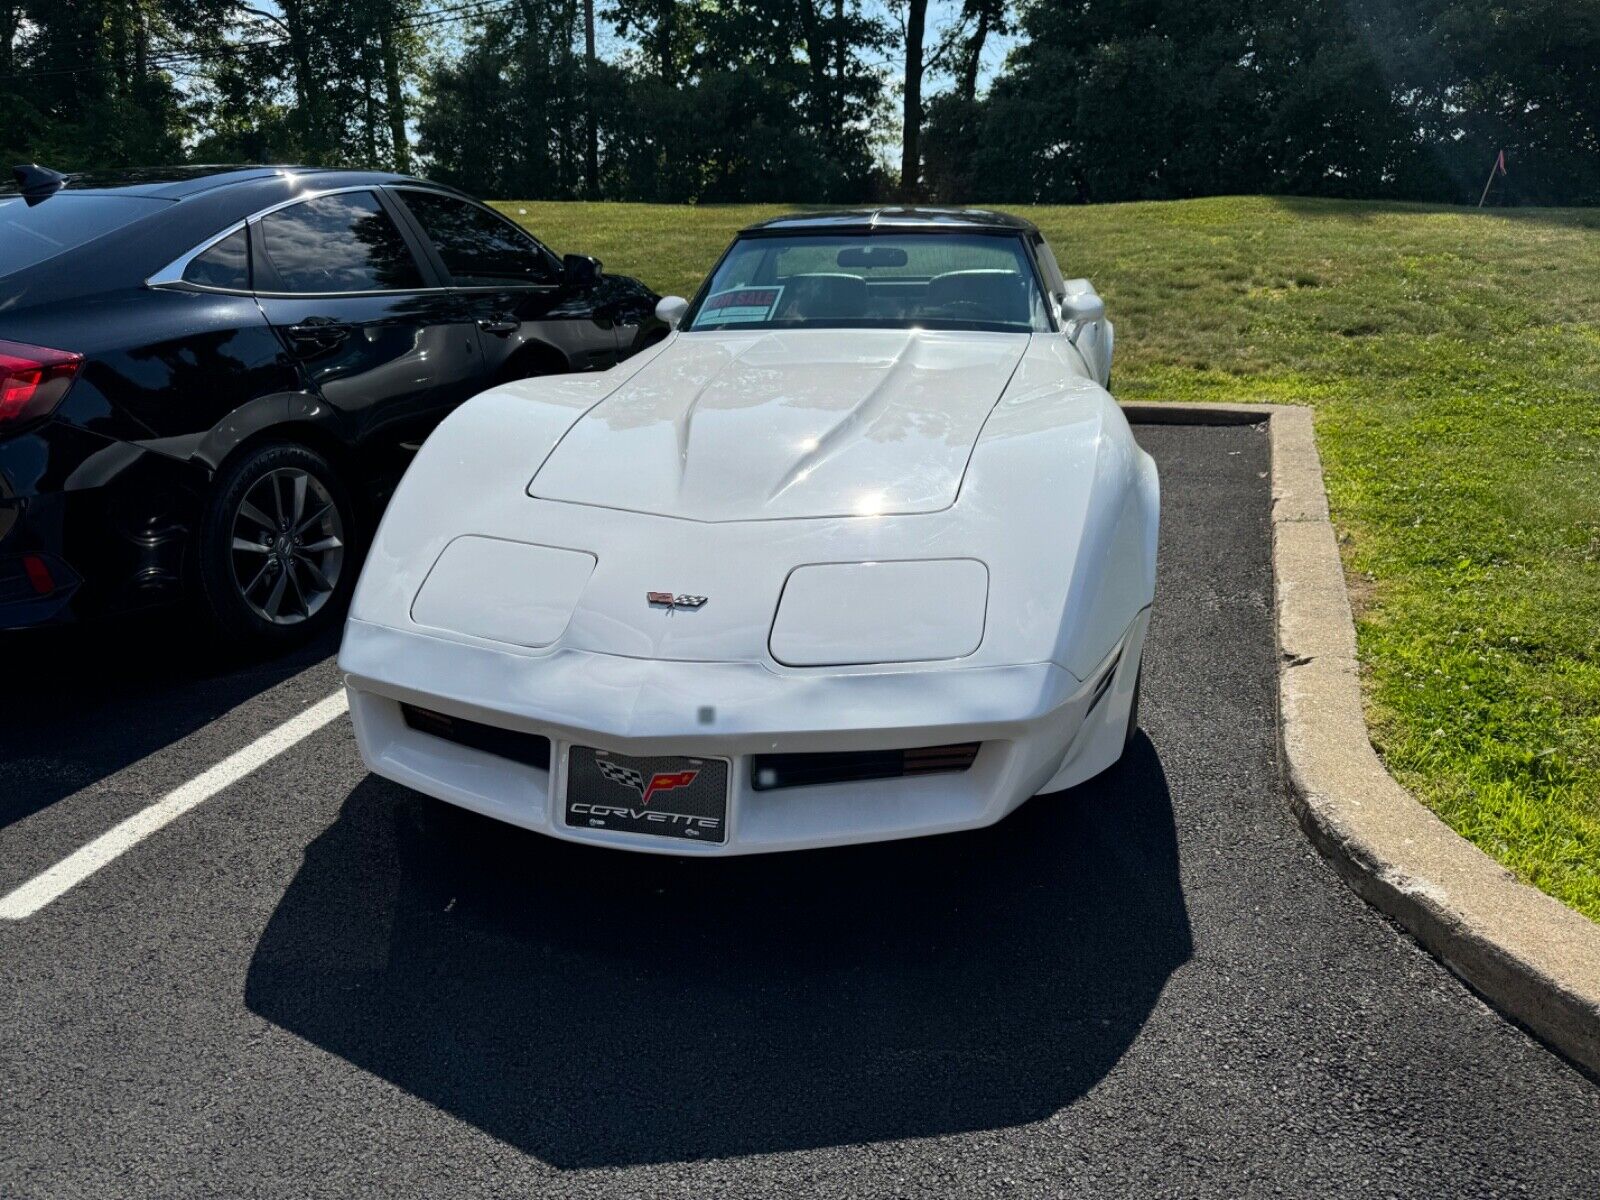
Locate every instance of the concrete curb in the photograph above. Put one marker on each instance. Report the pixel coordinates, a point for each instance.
(1530, 956)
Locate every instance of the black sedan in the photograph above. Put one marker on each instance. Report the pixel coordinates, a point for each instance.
(210, 378)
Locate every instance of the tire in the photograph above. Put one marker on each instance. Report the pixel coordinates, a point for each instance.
(279, 547)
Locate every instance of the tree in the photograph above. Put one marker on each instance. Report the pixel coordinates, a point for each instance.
(1522, 78)
(965, 40)
(389, 43)
(741, 100)
(83, 85)
(1150, 99)
(508, 117)
(779, 99)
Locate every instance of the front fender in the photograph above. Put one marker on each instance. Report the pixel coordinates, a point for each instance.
(1060, 477)
(491, 446)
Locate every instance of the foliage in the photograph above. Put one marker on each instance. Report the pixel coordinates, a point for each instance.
(1454, 360)
(87, 99)
(506, 117)
(106, 83)
(740, 99)
(727, 100)
(1134, 99)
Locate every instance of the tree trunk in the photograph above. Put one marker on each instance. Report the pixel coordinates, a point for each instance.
(10, 21)
(974, 57)
(664, 34)
(591, 135)
(824, 111)
(308, 104)
(841, 47)
(565, 125)
(141, 47)
(396, 99)
(118, 47)
(911, 135)
(369, 102)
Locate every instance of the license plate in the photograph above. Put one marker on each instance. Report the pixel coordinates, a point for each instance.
(663, 796)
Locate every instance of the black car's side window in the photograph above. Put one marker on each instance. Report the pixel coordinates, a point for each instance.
(478, 248)
(339, 243)
(225, 265)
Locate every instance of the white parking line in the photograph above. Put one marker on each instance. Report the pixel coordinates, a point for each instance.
(46, 886)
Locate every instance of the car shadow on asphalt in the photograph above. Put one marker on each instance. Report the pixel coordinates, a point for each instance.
(596, 1008)
(86, 701)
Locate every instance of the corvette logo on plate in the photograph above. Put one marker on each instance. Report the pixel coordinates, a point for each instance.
(661, 781)
(661, 795)
(668, 600)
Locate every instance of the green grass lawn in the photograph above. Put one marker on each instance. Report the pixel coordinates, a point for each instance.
(1453, 358)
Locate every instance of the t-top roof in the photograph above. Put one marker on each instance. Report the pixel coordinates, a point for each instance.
(915, 218)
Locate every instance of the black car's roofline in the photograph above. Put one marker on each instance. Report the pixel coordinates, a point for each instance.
(135, 253)
(179, 183)
(916, 219)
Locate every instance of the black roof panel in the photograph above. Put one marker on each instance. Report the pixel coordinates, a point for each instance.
(866, 220)
(175, 183)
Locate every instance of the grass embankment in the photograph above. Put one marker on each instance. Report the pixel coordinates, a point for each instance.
(1454, 361)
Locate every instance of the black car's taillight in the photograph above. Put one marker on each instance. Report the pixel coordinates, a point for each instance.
(33, 379)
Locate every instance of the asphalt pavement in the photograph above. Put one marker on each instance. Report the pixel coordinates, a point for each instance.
(317, 983)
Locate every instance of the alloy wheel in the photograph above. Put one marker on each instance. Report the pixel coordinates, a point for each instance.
(288, 546)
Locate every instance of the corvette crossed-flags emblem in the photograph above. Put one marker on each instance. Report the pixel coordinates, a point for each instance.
(661, 781)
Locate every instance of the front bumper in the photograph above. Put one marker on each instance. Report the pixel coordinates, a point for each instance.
(1039, 726)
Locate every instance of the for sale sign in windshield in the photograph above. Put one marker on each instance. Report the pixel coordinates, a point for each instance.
(739, 306)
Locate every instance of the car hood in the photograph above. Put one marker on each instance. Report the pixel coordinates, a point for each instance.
(787, 424)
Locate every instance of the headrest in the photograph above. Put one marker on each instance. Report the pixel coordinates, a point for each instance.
(1002, 295)
(823, 295)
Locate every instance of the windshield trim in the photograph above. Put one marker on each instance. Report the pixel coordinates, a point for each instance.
(686, 324)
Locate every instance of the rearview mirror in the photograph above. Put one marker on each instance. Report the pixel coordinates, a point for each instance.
(671, 309)
(579, 271)
(871, 256)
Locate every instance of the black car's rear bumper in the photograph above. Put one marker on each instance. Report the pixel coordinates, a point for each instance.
(36, 584)
(35, 589)
(88, 524)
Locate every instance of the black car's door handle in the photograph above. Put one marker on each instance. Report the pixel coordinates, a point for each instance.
(500, 325)
(316, 335)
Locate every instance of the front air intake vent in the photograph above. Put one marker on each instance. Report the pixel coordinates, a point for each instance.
(770, 772)
(530, 749)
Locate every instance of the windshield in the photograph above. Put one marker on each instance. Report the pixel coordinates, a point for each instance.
(31, 234)
(874, 281)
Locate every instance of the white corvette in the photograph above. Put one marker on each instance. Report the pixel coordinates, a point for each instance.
(864, 550)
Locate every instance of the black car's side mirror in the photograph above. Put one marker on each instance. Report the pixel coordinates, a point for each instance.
(579, 271)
